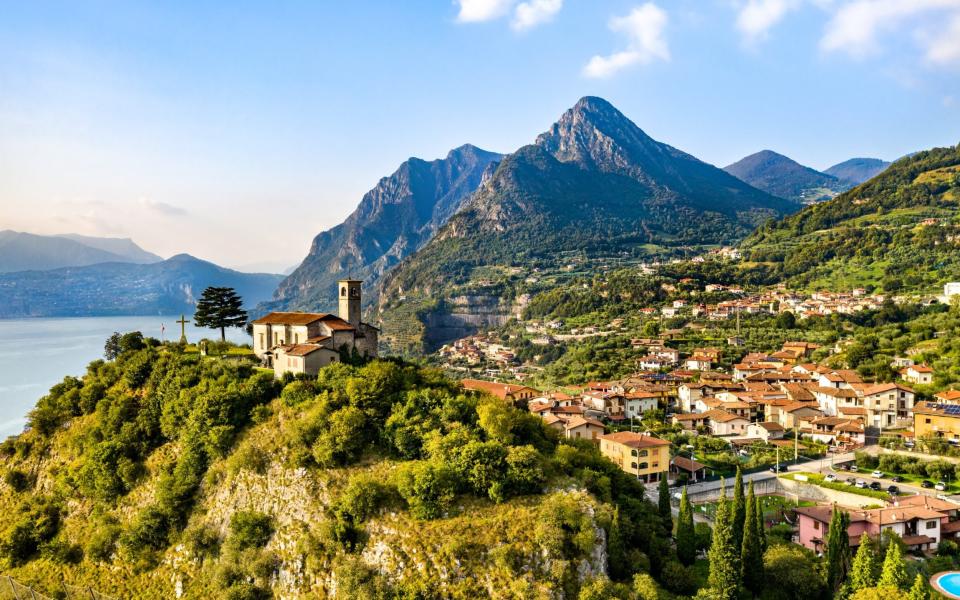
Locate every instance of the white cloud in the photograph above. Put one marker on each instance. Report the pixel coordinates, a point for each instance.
(475, 11)
(857, 25)
(162, 208)
(945, 48)
(644, 26)
(757, 17)
(534, 12)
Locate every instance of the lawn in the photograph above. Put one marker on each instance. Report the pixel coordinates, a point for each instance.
(769, 504)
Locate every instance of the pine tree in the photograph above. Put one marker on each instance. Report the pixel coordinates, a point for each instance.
(761, 529)
(724, 558)
(751, 556)
(739, 509)
(864, 571)
(219, 308)
(838, 549)
(686, 537)
(894, 573)
(663, 506)
(919, 590)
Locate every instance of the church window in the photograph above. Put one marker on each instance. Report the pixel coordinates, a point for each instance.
(343, 291)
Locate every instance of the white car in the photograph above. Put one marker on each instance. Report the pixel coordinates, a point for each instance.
(941, 486)
(861, 483)
(878, 473)
(830, 477)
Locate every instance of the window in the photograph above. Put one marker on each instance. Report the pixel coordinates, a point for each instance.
(343, 291)
(927, 421)
(263, 342)
(931, 524)
(633, 453)
(644, 465)
(816, 525)
(643, 453)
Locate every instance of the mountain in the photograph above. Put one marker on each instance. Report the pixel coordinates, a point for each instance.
(393, 220)
(167, 287)
(897, 231)
(594, 184)
(783, 177)
(857, 170)
(26, 251)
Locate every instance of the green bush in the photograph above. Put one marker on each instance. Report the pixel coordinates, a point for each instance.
(249, 529)
(17, 480)
(428, 488)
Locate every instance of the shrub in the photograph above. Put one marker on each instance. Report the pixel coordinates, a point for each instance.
(148, 531)
(202, 540)
(298, 392)
(18, 480)
(679, 579)
(103, 542)
(344, 438)
(428, 488)
(249, 529)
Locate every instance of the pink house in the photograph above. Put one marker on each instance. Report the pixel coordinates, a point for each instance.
(919, 520)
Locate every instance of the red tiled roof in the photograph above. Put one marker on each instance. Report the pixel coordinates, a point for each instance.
(290, 318)
(635, 440)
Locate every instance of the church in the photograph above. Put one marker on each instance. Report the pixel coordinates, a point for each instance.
(298, 342)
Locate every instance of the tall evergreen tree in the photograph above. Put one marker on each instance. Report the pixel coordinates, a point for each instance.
(751, 556)
(863, 573)
(894, 573)
(838, 549)
(739, 509)
(219, 308)
(761, 528)
(686, 536)
(724, 579)
(663, 506)
(919, 591)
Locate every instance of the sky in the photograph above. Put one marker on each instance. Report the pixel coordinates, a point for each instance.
(237, 131)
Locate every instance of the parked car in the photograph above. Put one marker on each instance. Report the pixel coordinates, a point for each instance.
(896, 479)
(851, 481)
(941, 486)
(875, 486)
(854, 468)
(878, 474)
(861, 484)
(830, 477)
(893, 490)
(777, 469)
(926, 484)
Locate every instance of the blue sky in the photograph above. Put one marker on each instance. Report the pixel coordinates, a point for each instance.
(236, 131)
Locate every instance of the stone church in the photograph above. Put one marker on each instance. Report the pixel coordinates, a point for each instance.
(298, 342)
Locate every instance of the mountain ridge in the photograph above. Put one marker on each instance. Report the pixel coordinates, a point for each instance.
(857, 170)
(783, 177)
(22, 251)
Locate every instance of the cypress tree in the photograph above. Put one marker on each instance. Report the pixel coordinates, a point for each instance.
(686, 536)
(761, 529)
(724, 558)
(919, 590)
(864, 571)
(663, 506)
(894, 573)
(739, 509)
(751, 556)
(838, 549)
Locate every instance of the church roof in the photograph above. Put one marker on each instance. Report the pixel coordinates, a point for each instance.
(290, 318)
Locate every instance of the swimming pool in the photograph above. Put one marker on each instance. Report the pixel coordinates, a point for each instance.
(947, 583)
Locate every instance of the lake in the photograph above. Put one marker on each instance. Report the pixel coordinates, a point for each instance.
(37, 353)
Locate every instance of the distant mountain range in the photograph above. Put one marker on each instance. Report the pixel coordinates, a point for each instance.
(27, 251)
(123, 288)
(594, 183)
(783, 177)
(857, 170)
(393, 220)
(896, 231)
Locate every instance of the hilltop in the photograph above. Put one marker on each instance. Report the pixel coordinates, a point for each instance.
(162, 473)
(857, 170)
(898, 231)
(783, 177)
(593, 185)
(26, 251)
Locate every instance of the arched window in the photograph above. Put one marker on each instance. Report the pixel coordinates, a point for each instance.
(343, 291)
(643, 466)
(633, 453)
(643, 453)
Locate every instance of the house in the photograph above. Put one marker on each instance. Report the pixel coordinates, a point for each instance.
(302, 343)
(936, 420)
(505, 391)
(766, 431)
(690, 421)
(917, 374)
(699, 362)
(790, 415)
(723, 423)
(644, 456)
(886, 403)
(916, 519)
(581, 428)
(639, 402)
(693, 470)
(948, 397)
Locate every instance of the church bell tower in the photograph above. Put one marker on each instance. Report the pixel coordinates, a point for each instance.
(349, 294)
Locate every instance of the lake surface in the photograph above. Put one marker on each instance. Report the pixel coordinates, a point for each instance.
(37, 353)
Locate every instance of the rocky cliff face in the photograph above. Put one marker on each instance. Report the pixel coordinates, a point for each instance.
(393, 220)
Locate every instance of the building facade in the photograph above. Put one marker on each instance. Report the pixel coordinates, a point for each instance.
(644, 456)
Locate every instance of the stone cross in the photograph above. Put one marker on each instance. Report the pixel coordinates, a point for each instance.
(183, 328)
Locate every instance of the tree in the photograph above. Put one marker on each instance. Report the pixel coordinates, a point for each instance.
(686, 537)
(739, 510)
(838, 549)
(792, 573)
(863, 573)
(219, 308)
(751, 556)
(919, 590)
(894, 573)
(663, 506)
(761, 530)
(786, 320)
(111, 349)
(724, 558)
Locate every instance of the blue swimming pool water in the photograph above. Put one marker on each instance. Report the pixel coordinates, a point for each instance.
(950, 583)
